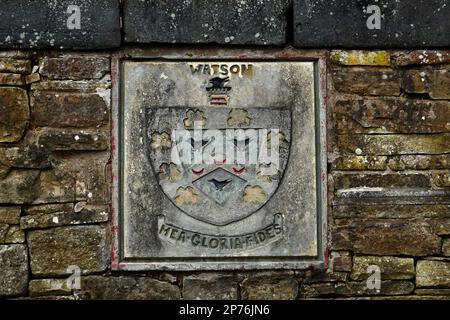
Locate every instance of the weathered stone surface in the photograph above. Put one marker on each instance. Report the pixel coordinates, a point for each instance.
(10, 215)
(54, 187)
(392, 268)
(48, 298)
(422, 57)
(181, 204)
(32, 78)
(55, 109)
(395, 144)
(361, 58)
(11, 65)
(85, 86)
(402, 23)
(392, 211)
(419, 162)
(48, 208)
(12, 79)
(392, 115)
(63, 24)
(433, 292)
(367, 81)
(52, 251)
(348, 289)
(390, 196)
(316, 276)
(210, 286)
(19, 187)
(74, 67)
(386, 237)
(126, 288)
(70, 139)
(440, 226)
(204, 21)
(26, 157)
(14, 270)
(435, 82)
(413, 180)
(86, 216)
(90, 173)
(3, 230)
(48, 287)
(14, 114)
(269, 287)
(341, 261)
(395, 298)
(433, 274)
(11, 234)
(441, 179)
(360, 163)
(446, 247)
(84, 178)
(4, 170)
(19, 54)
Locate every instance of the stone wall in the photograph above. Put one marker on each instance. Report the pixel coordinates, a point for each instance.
(388, 180)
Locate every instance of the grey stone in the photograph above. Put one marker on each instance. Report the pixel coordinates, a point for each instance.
(258, 22)
(210, 286)
(48, 208)
(404, 23)
(126, 288)
(54, 250)
(185, 214)
(14, 270)
(269, 287)
(31, 24)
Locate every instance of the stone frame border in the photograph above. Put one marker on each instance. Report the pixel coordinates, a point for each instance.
(319, 57)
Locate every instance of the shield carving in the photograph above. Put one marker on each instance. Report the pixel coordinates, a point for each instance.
(219, 165)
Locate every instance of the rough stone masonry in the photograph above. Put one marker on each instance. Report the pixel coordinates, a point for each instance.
(388, 143)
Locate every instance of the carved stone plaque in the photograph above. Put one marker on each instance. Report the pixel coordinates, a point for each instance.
(218, 165)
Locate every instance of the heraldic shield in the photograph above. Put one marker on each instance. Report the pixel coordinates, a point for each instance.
(219, 164)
